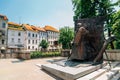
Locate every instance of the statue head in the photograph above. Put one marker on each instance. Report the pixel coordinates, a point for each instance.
(83, 30)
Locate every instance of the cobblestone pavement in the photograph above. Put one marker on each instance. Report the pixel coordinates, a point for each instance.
(15, 69)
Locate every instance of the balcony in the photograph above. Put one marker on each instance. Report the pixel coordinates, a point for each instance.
(15, 45)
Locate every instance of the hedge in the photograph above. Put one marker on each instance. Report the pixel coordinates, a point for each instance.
(38, 54)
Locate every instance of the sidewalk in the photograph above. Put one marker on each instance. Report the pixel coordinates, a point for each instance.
(14, 69)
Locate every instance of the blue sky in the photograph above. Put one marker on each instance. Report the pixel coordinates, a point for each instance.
(57, 13)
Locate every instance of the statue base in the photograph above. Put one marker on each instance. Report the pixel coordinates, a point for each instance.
(71, 70)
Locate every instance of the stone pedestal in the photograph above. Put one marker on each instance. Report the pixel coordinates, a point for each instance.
(69, 70)
(65, 53)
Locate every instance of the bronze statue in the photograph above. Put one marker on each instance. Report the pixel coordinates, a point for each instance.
(89, 39)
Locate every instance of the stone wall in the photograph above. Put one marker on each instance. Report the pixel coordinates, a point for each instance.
(20, 55)
(112, 55)
(65, 52)
(25, 55)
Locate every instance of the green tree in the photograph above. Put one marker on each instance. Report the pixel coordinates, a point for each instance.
(44, 44)
(116, 28)
(82, 9)
(66, 37)
(91, 8)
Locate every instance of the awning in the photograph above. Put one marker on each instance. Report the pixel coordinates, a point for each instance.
(12, 46)
(2, 48)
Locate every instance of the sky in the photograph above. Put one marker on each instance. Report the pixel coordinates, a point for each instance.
(56, 13)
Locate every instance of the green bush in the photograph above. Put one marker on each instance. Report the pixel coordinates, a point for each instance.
(38, 54)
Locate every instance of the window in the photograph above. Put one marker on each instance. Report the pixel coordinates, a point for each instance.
(28, 41)
(3, 41)
(3, 25)
(19, 34)
(28, 47)
(36, 41)
(51, 42)
(3, 33)
(33, 41)
(12, 39)
(19, 41)
(33, 35)
(28, 34)
(36, 35)
(32, 47)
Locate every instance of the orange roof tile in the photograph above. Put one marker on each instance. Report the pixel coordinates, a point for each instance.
(4, 17)
(19, 29)
(30, 28)
(12, 23)
(50, 28)
(14, 26)
(34, 28)
(40, 29)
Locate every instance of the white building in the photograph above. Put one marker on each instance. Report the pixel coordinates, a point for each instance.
(16, 37)
(52, 37)
(42, 36)
(3, 32)
(31, 37)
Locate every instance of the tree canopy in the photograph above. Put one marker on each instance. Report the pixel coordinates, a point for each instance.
(91, 8)
(66, 37)
(116, 28)
(43, 44)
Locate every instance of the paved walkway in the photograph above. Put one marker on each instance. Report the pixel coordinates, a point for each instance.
(14, 69)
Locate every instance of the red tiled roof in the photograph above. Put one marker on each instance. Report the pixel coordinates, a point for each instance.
(40, 29)
(28, 27)
(14, 26)
(33, 28)
(12, 23)
(50, 28)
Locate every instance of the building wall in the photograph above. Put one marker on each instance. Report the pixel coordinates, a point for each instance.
(42, 36)
(31, 40)
(51, 38)
(16, 39)
(3, 33)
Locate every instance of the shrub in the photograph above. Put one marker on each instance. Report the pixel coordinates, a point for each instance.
(38, 54)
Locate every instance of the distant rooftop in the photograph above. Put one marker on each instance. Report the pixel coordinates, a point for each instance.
(15, 26)
(50, 28)
(3, 17)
